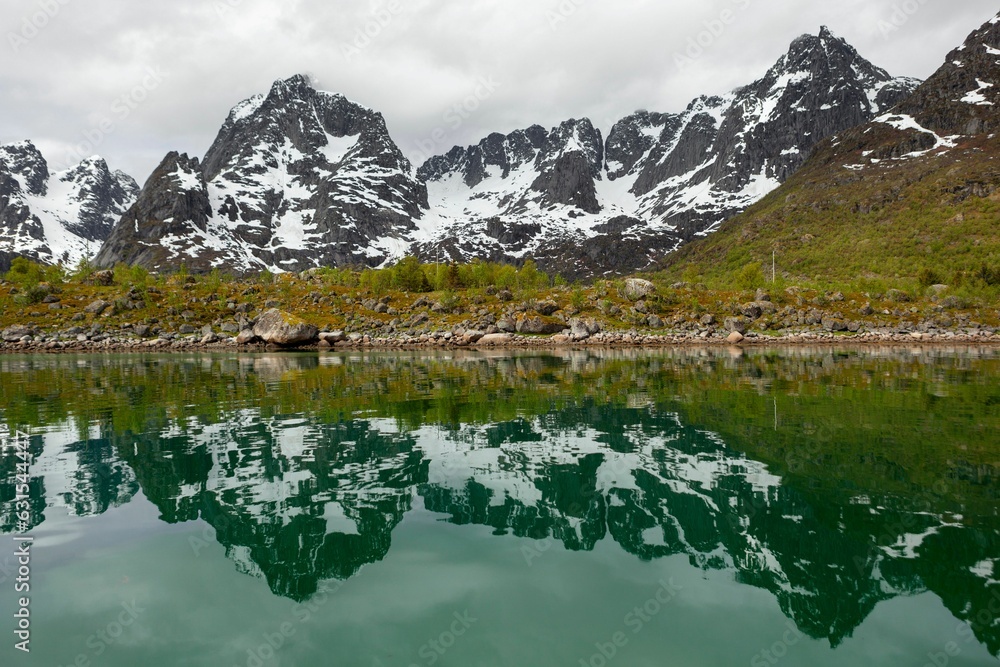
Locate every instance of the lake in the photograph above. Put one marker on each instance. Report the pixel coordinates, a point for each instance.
(799, 506)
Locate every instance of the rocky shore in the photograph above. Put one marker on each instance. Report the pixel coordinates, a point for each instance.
(301, 336)
(300, 312)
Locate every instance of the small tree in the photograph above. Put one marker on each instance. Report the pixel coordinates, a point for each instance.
(750, 277)
(409, 276)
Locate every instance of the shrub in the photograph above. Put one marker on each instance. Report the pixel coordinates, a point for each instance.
(478, 273)
(25, 273)
(928, 277)
(449, 301)
(408, 275)
(988, 275)
(529, 277)
(214, 280)
(452, 279)
(506, 276)
(131, 276)
(750, 277)
(375, 280)
(32, 294)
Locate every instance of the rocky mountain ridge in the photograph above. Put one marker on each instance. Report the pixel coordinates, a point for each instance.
(665, 178)
(912, 190)
(299, 178)
(57, 217)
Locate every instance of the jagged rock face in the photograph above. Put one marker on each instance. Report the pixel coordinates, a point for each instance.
(659, 179)
(508, 153)
(541, 168)
(296, 179)
(57, 217)
(631, 139)
(958, 104)
(962, 96)
(169, 223)
(724, 153)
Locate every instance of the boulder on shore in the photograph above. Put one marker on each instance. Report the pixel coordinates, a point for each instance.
(637, 288)
(280, 328)
(539, 325)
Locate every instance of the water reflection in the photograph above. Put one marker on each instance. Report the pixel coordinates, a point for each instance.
(832, 479)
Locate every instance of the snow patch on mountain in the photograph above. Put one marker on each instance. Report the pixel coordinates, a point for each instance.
(57, 217)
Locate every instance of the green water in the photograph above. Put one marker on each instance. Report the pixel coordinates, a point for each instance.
(793, 507)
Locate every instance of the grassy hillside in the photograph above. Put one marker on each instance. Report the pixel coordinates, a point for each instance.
(906, 223)
(909, 200)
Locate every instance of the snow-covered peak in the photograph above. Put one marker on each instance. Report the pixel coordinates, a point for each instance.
(23, 161)
(295, 179)
(57, 217)
(659, 178)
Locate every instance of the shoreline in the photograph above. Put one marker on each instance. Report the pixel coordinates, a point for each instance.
(447, 341)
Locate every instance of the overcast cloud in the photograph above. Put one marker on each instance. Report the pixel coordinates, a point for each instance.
(138, 79)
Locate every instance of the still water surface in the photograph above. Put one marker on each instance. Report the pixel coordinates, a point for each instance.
(793, 507)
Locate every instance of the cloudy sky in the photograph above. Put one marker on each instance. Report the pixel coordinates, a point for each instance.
(133, 80)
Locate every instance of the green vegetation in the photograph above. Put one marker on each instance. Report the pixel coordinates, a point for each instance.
(905, 225)
(461, 293)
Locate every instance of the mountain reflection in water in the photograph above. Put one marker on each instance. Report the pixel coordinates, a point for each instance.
(834, 479)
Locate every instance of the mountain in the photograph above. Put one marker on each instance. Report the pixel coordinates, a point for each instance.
(659, 179)
(295, 179)
(912, 191)
(300, 178)
(57, 217)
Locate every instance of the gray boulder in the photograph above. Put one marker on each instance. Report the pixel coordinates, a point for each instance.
(537, 325)
(246, 337)
(636, 289)
(546, 307)
(280, 328)
(14, 333)
(97, 307)
(737, 324)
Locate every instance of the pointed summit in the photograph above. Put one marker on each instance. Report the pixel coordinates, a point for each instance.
(295, 179)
